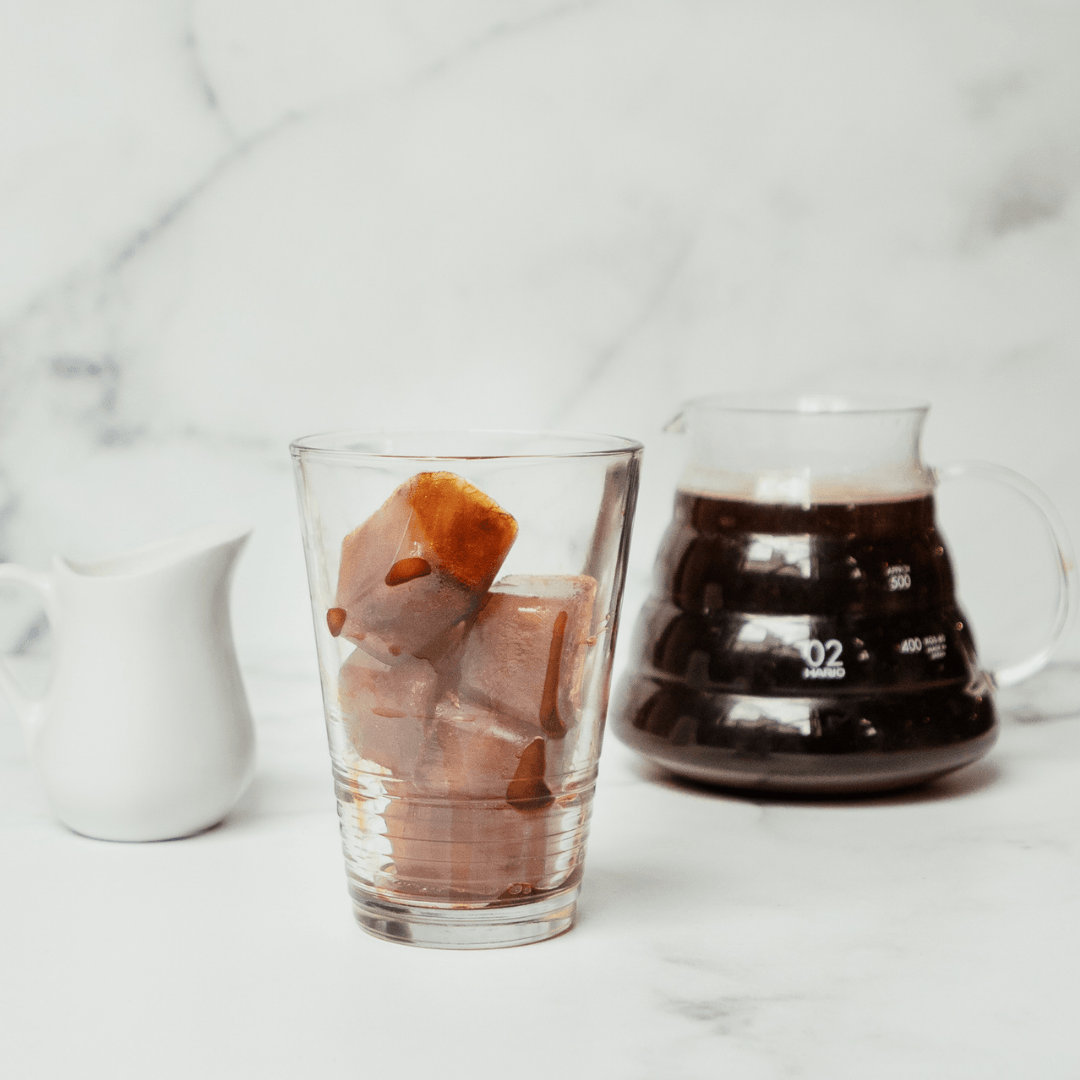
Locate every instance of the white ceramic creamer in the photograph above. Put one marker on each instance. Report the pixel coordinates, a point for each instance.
(145, 731)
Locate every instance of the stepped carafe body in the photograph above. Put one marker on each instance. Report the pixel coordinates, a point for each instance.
(804, 633)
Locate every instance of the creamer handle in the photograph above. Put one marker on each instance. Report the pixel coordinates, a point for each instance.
(27, 709)
(1064, 560)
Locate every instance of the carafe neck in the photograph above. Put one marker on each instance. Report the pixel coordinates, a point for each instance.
(805, 451)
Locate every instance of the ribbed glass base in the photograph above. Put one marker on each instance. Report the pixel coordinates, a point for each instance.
(435, 926)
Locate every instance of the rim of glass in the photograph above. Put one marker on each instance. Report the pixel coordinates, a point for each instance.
(351, 444)
(797, 404)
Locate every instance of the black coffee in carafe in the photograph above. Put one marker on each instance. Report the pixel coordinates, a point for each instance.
(814, 649)
(803, 634)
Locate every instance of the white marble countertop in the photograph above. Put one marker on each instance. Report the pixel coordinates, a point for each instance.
(930, 934)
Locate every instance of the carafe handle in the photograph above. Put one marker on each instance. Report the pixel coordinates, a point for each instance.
(27, 709)
(1065, 561)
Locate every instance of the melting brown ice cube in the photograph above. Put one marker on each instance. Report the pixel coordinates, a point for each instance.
(478, 817)
(486, 755)
(525, 653)
(420, 564)
(473, 851)
(384, 711)
(395, 718)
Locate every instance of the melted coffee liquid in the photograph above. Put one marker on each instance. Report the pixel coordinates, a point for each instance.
(805, 649)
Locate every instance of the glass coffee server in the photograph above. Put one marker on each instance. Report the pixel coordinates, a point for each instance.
(803, 634)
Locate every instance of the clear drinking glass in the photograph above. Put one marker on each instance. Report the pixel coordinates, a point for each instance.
(465, 588)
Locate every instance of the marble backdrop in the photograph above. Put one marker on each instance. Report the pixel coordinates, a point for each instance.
(225, 224)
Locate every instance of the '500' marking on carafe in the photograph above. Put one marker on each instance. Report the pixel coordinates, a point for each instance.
(822, 660)
(898, 577)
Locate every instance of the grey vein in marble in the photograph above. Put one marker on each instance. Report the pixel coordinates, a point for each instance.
(650, 303)
(241, 149)
(498, 32)
(200, 72)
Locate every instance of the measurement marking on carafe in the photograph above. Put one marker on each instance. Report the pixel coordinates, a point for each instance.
(898, 577)
(932, 644)
(822, 660)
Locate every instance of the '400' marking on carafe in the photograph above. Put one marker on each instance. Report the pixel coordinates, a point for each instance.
(822, 659)
(932, 645)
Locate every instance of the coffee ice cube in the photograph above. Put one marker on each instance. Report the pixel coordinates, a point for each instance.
(408, 688)
(384, 711)
(486, 755)
(477, 821)
(420, 564)
(525, 653)
(471, 851)
(494, 833)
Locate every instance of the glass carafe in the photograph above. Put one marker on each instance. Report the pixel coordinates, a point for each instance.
(803, 634)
